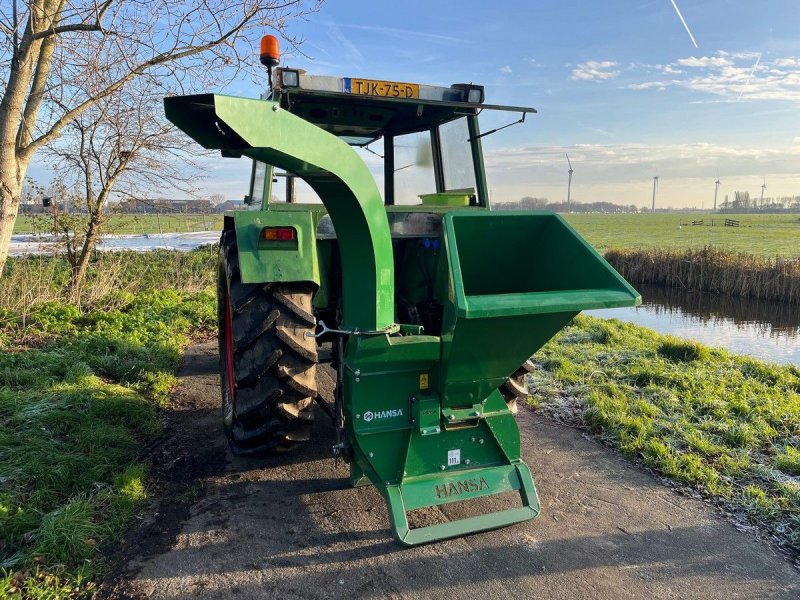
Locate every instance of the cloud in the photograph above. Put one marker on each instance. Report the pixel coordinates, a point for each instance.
(740, 55)
(602, 132)
(594, 70)
(506, 69)
(786, 62)
(704, 61)
(731, 77)
(350, 52)
(404, 34)
(678, 159)
(648, 85)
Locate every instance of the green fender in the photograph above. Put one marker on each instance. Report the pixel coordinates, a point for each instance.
(263, 261)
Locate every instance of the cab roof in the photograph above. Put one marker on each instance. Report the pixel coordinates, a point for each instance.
(340, 105)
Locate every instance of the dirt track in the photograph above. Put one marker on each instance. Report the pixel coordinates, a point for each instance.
(289, 527)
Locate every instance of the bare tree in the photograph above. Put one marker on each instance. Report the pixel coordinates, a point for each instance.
(217, 199)
(50, 47)
(120, 145)
(741, 200)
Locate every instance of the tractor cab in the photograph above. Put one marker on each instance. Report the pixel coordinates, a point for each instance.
(422, 142)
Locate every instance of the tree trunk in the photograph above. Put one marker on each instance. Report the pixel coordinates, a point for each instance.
(10, 193)
(13, 129)
(82, 264)
(9, 205)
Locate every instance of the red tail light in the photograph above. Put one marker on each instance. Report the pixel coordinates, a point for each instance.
(279, 234)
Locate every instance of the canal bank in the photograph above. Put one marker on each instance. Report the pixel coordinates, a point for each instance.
(716, 425)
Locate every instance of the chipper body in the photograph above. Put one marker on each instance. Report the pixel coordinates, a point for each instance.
(425, 301)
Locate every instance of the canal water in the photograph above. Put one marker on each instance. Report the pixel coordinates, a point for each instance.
(769, 331)
(22, 244)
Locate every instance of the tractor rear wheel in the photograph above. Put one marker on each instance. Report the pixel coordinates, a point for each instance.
(267, 363)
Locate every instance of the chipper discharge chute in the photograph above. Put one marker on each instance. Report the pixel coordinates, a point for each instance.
(427, 308)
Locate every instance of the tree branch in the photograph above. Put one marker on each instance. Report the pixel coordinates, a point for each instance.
(54, 31)
(75, 27)
(176, 54)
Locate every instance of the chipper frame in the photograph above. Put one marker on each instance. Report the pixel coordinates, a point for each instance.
(421, 415)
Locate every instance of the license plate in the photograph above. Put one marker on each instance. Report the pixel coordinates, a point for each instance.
(384, 89)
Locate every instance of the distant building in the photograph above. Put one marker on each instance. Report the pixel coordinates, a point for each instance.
(231, 205)
(34, 208)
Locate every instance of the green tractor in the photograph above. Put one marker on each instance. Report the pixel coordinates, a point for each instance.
(424, 300)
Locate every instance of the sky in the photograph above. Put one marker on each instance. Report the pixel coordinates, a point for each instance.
(619, 86)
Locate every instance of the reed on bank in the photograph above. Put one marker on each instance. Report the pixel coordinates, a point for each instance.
(712, 270)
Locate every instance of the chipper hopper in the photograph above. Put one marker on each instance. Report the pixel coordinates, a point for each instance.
(428, 308)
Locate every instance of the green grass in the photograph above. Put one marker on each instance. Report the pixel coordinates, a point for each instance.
(129, 224)
(726, 425)
(80, 393)
(760, 235)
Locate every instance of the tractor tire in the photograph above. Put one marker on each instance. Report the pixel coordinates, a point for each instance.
(516, 387)
(267, 363)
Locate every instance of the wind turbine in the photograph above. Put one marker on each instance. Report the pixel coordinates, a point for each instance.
(763, 187)
(569, 182)
(716, 189)
(655, 185)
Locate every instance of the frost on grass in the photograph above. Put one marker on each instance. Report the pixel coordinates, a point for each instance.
(722, 425)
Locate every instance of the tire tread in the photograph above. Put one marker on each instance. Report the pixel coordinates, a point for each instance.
(274, 361)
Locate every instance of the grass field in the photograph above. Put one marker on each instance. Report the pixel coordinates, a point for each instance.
(129, 224)
(760, 235)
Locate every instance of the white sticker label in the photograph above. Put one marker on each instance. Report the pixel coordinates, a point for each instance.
(453, 457)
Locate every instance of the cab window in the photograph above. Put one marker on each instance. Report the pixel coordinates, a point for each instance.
(413, 167)
(457, 166)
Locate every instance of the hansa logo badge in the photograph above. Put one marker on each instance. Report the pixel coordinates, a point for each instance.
(382, 414)
(457, 488)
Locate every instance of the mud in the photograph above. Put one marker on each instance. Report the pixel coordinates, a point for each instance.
(290, 527)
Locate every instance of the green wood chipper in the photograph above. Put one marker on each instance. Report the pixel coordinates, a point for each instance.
(425, 300)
